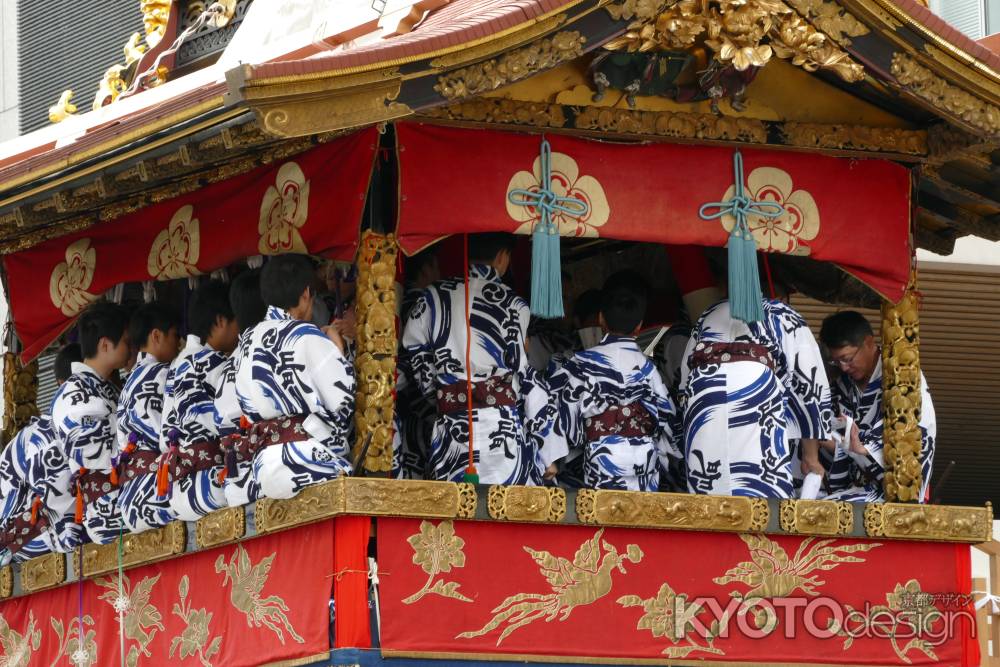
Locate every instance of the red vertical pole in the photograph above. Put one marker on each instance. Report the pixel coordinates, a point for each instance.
(350, 582)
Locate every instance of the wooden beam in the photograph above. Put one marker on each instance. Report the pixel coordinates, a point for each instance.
(965, 222)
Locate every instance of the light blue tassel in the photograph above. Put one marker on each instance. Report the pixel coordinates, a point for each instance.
(745, 296)
(546, 260)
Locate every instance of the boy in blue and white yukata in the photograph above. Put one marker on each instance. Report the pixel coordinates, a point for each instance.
(613, 404)
(191, 420)
(749, 389)
(850, 341)
(84, 415)
(153, 329)
(295, 386)
(250, 310)
(510, 402)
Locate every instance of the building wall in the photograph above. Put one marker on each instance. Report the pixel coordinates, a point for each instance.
(9, 107)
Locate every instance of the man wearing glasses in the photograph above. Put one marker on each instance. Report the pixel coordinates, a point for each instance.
(850, 341)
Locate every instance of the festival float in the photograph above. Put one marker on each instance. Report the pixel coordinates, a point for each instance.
(385, 131)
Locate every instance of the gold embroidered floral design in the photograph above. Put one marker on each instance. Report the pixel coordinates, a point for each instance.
(141, 619)
(194, 637)
(906, 603)
(283, 212)
(71, 278)
(660, 619)
(566, 181)
(437, 549)
(581, 582)
(17, 648)
(175, 250)
(770, 573)
(247, 581)
(789, 233)
(70, 644)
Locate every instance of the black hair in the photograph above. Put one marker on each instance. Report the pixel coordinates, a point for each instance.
(843, 329)
(284, 279)
(485, 247)
(244, 297)
(412, 266)
(623, 302)
(63, 366)
(101, 320)
(148, 318)
(587, 305)
(208, 303)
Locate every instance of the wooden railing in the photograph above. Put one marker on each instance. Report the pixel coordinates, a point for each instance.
(988, 623)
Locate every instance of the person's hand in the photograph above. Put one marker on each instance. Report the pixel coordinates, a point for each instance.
(856, 445)
(828, 445)
(334, 335)
(812, 466)
(550, 472)
(347, 326)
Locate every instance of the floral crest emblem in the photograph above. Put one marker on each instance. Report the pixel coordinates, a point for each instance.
(788, 233)
(437, 549)
(566, 181)
(175, 249)
(283, 212)
(72, 277)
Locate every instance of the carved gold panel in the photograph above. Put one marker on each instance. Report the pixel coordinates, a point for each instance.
(387, 497)
(43, 572)
(527, 503)
(311, 504)
(6, 581)
(138, 549)
(220, 527)
(671, 510)
(816, 517)
(938, 523)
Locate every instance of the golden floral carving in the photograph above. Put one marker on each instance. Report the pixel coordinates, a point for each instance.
(816, 517)
(283, 212)
(313, 503)
(193, 639)
(81, 653)
(788, 233)
(501, 110)
(671, 510)
(660, 619)
(62, 109)
(18, 647)
(220, 527)
(6, 581)
(672, 124)
(247, 581)
(511, 66)
(566, 181)
(20, 394)
(527, 503)
(940, 94)
(895, 621)
(743, 33)
(425, 499)
(770, 573)
(375, 363)
(43, 572)
(71, 278)
(831, 19)
(901, 396)
(856, 137)
(137, 549)
(939, 523)
(110, 87)
(436, 549)
(141, 619)
(585, 580)
(175, 250)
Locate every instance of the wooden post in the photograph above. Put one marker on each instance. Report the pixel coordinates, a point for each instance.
(375, 361)
(901, 397)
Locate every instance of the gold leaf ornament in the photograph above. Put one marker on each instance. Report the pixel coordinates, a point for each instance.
(660, 619)
(283, 212)
(910, 613)
(141, 619)
(175, 250)
(193, 639)
(18, 647)
(436, 549)
(72, 277)
(247, 581)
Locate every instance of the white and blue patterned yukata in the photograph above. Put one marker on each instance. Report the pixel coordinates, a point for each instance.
(83, 414)
(615, 375)
(239, 489)
(507, 438)
(865, 408)
(140, 418)
(49, 477)
(17, 494)
(740, 416)
(190, 416)
(292, 369)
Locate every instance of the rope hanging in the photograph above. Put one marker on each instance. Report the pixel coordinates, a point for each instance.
(546, 267)
(744, 281)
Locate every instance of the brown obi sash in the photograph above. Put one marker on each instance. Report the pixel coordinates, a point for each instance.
(626, 421)
(23, 528)
(197, 456)
(713, 354)
(93, 484)
(241, 447)
(492, 392)
(140, 462)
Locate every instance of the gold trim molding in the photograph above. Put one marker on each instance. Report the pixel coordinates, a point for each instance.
(537, 504)
(816, 517)
(672, 510)
(937, 523)
(855, 137)
(6, 582)
(928, 86)
(138, 549)
(220, 527)
(43, 572)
